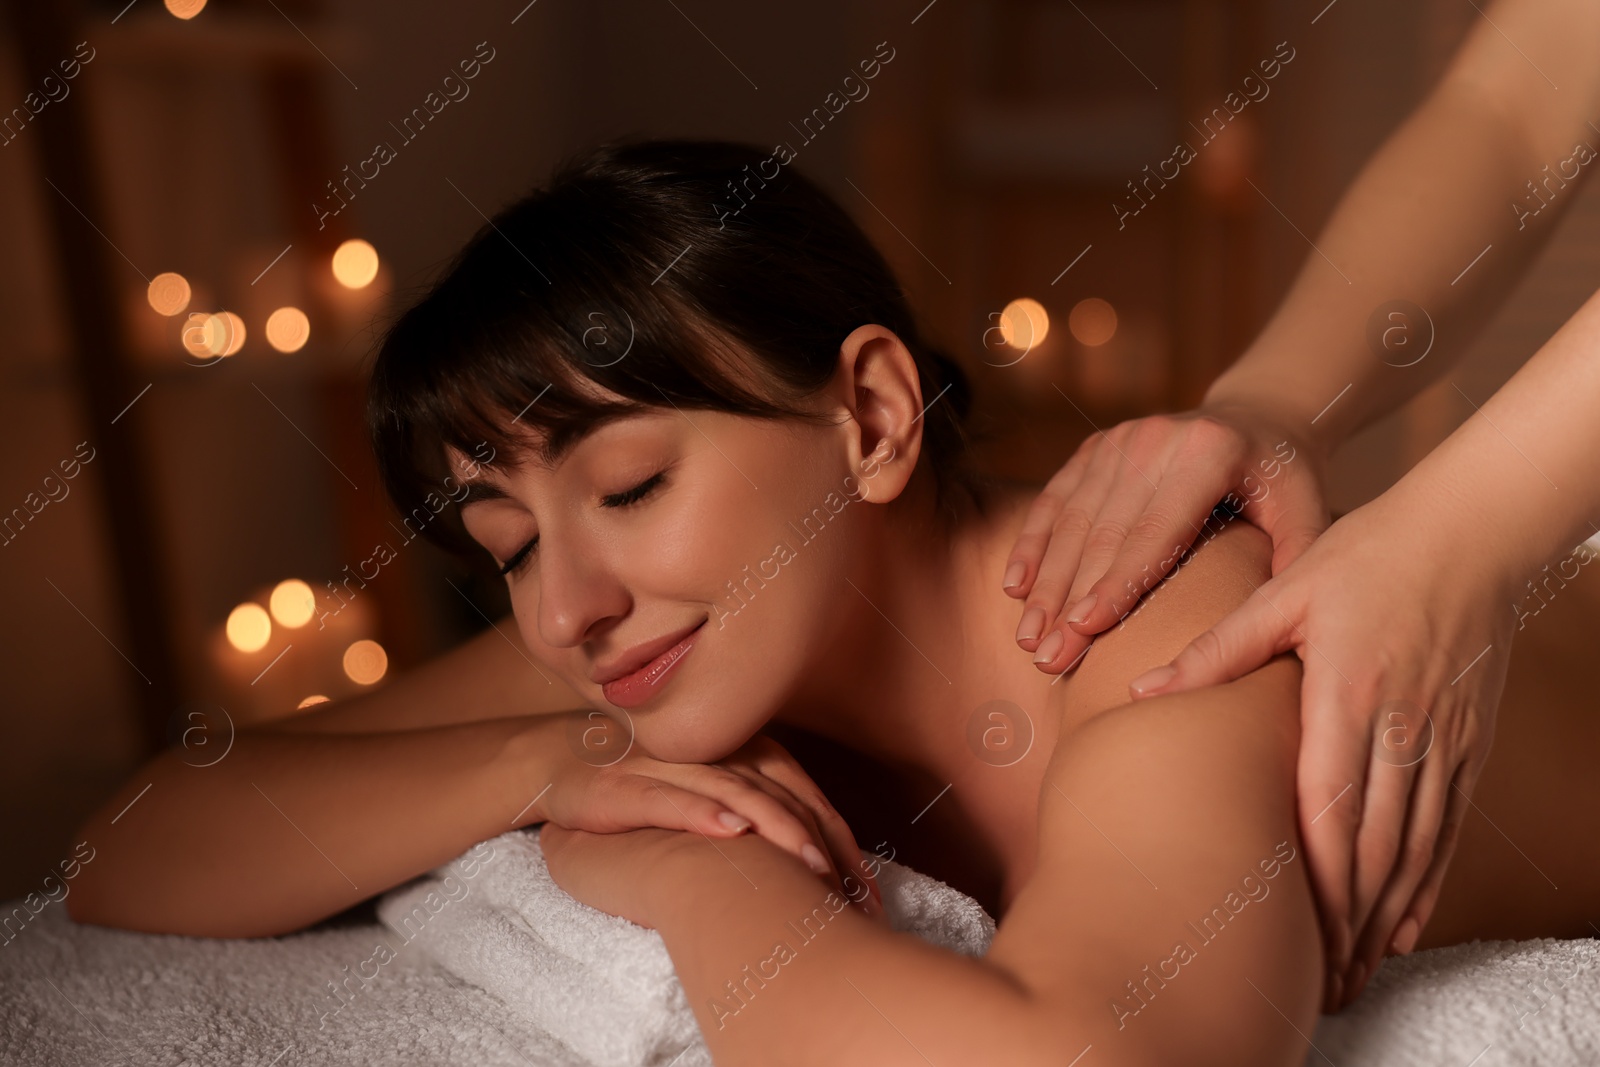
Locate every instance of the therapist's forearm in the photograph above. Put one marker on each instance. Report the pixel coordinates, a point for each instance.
(1519, 480)
(1437, 194)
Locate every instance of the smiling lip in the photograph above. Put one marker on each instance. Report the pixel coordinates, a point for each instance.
(635, 676)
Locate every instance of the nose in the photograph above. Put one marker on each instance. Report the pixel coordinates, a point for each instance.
(579, 590)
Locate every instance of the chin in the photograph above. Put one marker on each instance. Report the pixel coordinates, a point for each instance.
(694, 735)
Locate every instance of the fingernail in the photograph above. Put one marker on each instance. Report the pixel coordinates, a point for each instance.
(1405, 938)
(1153, 679)
(1081, 609)
(1051, 647)
(1014, 574)
(733, 822)
(1032, 624)
(814, 859)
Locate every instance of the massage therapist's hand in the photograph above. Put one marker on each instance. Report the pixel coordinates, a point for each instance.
(1398, 613)
(760, 788)
(1127, 504)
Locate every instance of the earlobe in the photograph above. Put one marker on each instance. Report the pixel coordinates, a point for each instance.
(882, 379)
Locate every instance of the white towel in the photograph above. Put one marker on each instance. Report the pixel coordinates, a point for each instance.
(82, 995)
(600, 984)
(1486, 1003)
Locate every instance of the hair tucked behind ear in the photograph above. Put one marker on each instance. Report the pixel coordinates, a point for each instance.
(641, 267)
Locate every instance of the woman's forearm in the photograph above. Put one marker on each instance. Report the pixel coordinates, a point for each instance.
(780, 970)
(1441, 191)
(488, 676)
(288, 829)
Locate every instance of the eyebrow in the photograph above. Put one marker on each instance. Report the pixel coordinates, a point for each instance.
(546, 457)
(477, 491)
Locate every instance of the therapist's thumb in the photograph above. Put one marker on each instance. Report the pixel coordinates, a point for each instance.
(1234, 647)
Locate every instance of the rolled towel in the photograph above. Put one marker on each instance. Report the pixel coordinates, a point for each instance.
(603, 986)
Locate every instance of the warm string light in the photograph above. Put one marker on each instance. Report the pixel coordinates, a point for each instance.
(212, 335)
(355, 263)
(249, 628)
(1024, 323)
(292, 603)
(168, 293)
(1093, 321)
(365, 662)
(288, 329)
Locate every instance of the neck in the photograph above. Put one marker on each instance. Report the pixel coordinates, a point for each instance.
(924, 634)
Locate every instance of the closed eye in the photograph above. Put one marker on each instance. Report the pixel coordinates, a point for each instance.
(614, 500)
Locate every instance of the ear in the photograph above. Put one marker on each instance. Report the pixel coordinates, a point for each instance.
(878, 386)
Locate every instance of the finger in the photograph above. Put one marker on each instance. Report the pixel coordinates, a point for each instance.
(1376, 932)
(1127, 499)
(1060, 564)
(1294, 515)
(1173, 516)
(1331, 774)
(1040, 522)
(1383, 828)
(673, 807)
(855, 877)
(779, 817)
(1242, 641)
(1427, 895)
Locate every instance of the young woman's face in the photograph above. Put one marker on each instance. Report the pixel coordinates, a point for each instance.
(732, 532)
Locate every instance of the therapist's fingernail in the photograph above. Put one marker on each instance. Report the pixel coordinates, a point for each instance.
(733, 822)
(1014, 575)
(1032, 625)
(1081, 609)
(1051, 647)
(814, 858)
(1405, 938)
(1153, 679)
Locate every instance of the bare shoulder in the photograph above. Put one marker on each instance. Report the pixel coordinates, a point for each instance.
(1221, 571)
(1169, 912)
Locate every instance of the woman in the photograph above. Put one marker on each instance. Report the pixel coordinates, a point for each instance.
(700, 452)
(1457, 555)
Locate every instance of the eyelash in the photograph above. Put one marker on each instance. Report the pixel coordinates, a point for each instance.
(616, 500)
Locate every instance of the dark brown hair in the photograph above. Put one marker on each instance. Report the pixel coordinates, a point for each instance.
(632, 269)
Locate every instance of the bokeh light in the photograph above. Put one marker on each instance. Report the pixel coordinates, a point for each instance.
(288, 329)
(249, 628)
(168, 293)
(1024, 323)
(213, 334)
(186, 9)
(365, 662)
(355, 263)
(292, 603)
(1093, 321)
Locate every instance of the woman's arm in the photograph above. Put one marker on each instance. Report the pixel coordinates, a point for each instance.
(489, 676)
(306, 816)
(289, 828)
(1154, 816)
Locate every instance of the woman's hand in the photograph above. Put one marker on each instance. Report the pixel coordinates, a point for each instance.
(1131, 500)
(760, 788)
(1399, 615)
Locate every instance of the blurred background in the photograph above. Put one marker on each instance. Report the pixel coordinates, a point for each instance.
(203, 240)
